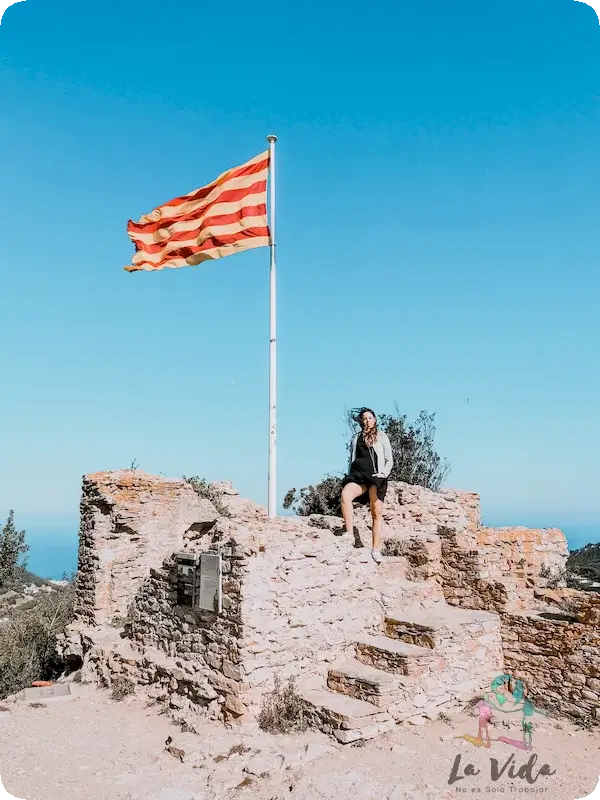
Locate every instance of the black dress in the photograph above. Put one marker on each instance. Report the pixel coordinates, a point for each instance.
(363, 469)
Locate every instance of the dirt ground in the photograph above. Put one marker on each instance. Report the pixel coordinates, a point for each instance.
(90, 747)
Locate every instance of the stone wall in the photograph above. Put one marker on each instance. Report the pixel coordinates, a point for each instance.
(310, 594)
(299, 600)
(524, 553)
(557, 654)
(499, 568)
(294, 595)
(410, 507)
(129, 521)
(205, 644)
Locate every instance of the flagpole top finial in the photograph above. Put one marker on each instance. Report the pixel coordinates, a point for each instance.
(271, 138)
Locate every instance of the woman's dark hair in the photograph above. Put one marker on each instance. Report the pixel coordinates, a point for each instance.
(358, 412)
(357, 417)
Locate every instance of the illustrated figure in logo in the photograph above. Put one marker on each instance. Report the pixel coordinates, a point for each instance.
(485, 715)
(497, 700)
(528, 710)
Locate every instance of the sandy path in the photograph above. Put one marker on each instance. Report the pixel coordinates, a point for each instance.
(89, 747)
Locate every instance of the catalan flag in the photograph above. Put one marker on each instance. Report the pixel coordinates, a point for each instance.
(225, 217)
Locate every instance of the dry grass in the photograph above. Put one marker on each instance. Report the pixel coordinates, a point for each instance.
(246, 783)
(239, 750)
(208, 492)
(122, 688)
(282, 710)
(473, 702)
(587, 724)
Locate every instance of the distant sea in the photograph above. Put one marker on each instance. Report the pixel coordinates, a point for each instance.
(53, 550)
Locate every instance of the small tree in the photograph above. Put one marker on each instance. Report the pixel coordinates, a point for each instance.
(12, 552)
(415, 462)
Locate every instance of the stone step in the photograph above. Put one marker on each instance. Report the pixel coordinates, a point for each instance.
(407, 593)
(355, 679)
(396, 656)
(429, 627)
(346, 718)
(394, 567)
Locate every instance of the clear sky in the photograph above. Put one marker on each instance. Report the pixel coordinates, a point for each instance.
(438, 241)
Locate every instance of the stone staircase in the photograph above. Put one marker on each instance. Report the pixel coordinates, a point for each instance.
(421, 661)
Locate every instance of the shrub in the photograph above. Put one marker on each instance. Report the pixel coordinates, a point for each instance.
(324, 498)
(282, 710)
(585, 562)
(415, 458)
(28, 640)
(121, 688)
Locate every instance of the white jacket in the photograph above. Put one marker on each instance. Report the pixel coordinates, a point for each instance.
(382, 448)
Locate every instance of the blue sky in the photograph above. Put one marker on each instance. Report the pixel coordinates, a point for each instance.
(438, 240)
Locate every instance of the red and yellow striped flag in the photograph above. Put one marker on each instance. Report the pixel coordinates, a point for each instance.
(225, 217)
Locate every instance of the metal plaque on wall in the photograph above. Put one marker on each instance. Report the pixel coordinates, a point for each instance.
(186, 578)
(210, 582)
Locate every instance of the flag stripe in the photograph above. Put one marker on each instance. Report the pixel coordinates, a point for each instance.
(163, 251)
(190, 222)
(234, 190)
(175, 261)
(255, 165)
(197, 237)
(251, 195)
(227, 216)
(188, 249)
(153, 244)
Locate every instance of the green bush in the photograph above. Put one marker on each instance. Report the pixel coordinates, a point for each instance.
(28, 639)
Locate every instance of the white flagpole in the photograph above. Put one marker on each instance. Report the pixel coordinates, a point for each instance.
(272, 505)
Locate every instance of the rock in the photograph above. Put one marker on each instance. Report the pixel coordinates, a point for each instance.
(345, 737)
(262, 765)
(233, 671)
(314, 750)
(235, 705)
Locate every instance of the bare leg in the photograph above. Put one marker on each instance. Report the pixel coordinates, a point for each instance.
(349, 493)
(377, 514)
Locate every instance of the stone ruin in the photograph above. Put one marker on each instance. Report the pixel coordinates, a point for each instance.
(453, 605)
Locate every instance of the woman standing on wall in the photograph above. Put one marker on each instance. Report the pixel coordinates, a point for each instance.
(371, 462)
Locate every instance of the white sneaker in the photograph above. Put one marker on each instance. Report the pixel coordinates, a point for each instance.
(376, 556)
